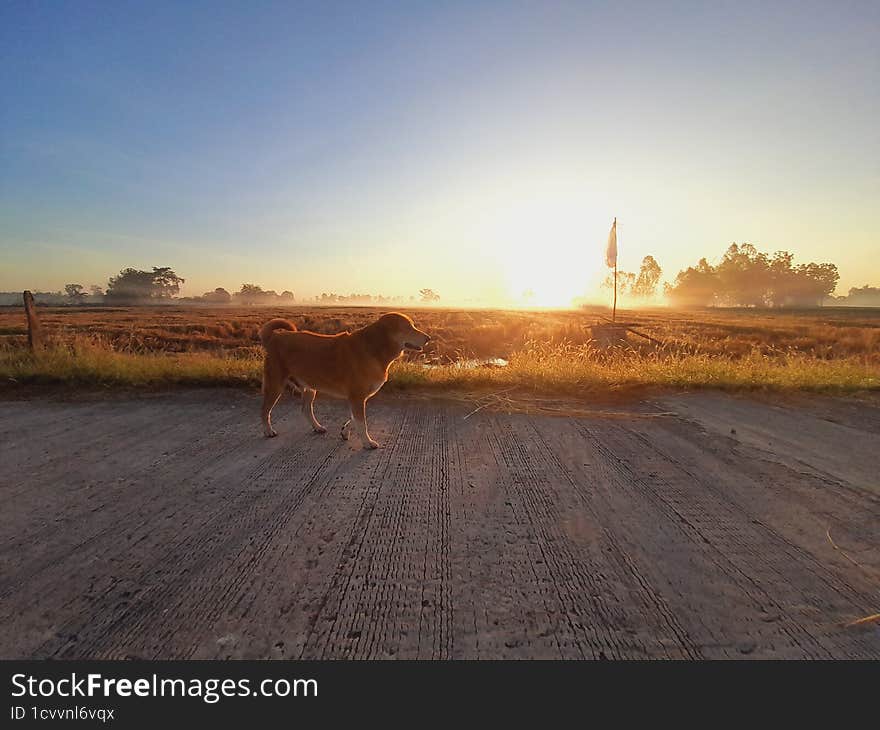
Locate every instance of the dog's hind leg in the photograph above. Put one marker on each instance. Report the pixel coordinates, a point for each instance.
(359, 419)
(308, 406)
(273, 387)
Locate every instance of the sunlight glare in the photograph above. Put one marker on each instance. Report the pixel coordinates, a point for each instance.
(543, 244)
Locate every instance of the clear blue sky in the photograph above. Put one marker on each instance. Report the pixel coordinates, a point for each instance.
(476, 148)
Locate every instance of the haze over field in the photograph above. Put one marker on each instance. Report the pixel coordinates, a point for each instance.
(480, 149)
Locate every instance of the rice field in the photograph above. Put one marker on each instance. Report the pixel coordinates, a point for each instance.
(834, 349)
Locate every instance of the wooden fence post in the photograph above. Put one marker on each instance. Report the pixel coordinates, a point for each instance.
(35, 335)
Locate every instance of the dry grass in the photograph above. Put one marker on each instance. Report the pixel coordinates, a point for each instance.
(92, 362)
(834, 350)
(567, 369)
(576, 370)
(830, 333)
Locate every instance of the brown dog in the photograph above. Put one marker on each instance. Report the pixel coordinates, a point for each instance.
(353, 366)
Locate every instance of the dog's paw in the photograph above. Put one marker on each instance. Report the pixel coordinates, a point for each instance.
(371, 444)
(270, 434)
(319, 429)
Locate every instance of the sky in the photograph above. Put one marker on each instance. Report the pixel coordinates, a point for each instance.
(476, 148)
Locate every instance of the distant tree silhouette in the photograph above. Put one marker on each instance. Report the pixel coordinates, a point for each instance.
(646, 282)
(815, 283)
(96, 291)
(355, 298)
(131, 284)
(166, 283)
(218, 296)
(249, 293)
(135, 285)
(75, 292)
(255, 294)
(695, 286)
(642, 286)
(429, 295)
(747, 277)
(864, 296)
(626, 281)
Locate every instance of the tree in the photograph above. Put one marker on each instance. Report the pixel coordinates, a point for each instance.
(748, 277)
(136, 285)
(218, 296)
(75, 292)
(821, 282)
(166, 283)
(96, 291)
(744, 277)
(130, 284)
(250, 293)
(287, 296)
(626, 281)
(865, 296)
(429, 295)
(645, 285)
(781, 277)
(695, 286)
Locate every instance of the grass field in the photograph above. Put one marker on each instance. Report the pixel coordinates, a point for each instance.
(547, 352)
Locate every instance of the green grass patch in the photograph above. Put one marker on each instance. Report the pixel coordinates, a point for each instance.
(573, 371)
(562, 369)
(85, 363)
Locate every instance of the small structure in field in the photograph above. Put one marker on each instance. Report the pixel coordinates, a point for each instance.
(608, 334)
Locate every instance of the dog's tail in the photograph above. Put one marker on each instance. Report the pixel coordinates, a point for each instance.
(274, 324)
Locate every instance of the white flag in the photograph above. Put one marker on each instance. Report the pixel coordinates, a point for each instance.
(611, 251)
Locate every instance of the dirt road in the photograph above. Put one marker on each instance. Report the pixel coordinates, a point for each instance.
(165, 526)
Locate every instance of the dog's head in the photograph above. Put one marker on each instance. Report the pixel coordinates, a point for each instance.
(401, 330)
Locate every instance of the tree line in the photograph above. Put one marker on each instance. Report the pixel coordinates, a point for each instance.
(639, 286)
(744, 277)
(426, 296)
(162, 284)
(747, 277)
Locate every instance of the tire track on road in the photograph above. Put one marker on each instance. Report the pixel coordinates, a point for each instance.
(604, 623)
(171, 563)
(736, 548)
(327, 624)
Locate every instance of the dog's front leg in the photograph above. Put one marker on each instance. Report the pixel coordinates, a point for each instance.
(359, 420)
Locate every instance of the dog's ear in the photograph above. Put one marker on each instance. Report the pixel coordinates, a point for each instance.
(388, 321)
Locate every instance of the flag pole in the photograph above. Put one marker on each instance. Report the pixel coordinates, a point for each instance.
(614, 308)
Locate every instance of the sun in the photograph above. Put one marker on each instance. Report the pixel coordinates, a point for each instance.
(544, 280)
(546, 256)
